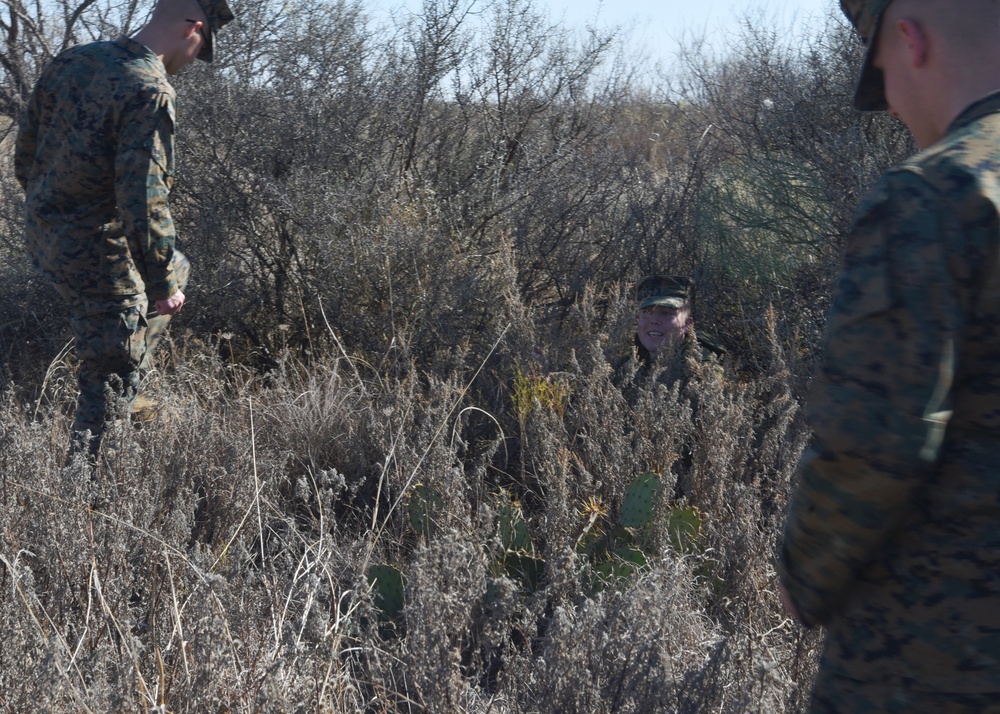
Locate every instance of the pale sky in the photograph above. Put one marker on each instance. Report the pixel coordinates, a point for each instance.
(659, 26)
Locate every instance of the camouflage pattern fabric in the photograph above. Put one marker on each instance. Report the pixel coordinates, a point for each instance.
(218, 14)
(893, 536)
(95, 157)
(156, 324)
(114, 340)
(110, 346)
(866, 16)
(666, 290)
(834, 694)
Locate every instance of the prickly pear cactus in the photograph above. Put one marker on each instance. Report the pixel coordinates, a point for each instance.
(524, 569)
(517, 560)
(387, 587)
(422, 507)
(629, 553)
(623, 563)
(607, 574)
(513, 528)
(640, 501)
(683, 528)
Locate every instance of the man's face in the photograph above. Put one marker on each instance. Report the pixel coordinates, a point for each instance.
(895, 56)
(658, 325)
(195, 38)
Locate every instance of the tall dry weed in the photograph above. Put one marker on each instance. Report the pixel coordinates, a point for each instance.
(219, 558)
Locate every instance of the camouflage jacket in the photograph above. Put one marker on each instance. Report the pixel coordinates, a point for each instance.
(94, 155)
(893, 537)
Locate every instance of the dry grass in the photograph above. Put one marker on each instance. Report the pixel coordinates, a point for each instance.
(390, 339)
(217, 562)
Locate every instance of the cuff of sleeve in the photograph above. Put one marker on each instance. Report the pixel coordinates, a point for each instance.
(174, 278)
(163, 289)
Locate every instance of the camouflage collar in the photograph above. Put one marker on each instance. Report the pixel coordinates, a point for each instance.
(990, 104)
(139, 50)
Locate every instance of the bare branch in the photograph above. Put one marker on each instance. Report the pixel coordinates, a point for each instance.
(72, 20)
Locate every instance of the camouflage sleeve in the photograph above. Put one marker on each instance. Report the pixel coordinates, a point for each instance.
(144, 170)
(876, 407)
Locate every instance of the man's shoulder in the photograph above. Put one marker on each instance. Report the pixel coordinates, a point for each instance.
(87, 51)
(82, 60)
(959, 173)
(965, 158)
(140, 68)
(709, 346)
(120, 66)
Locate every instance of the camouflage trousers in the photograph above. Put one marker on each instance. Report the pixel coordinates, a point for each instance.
(114, 338)
(834, 694)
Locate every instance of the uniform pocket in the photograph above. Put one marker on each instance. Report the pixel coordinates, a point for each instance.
(134, 324)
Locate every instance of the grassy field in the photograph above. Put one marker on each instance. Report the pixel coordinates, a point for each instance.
(233, 554)
(399, 455)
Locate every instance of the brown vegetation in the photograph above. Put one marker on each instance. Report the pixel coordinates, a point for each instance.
(413, 254)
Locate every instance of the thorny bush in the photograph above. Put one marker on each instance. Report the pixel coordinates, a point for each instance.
(414, 249)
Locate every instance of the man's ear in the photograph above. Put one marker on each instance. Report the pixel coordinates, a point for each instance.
(191, 28)
(915, 38)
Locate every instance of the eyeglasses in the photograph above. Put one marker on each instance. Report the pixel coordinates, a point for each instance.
(201, 31)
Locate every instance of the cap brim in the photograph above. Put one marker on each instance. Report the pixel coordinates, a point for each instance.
(205, 55)
(869, 94)
(674, 302)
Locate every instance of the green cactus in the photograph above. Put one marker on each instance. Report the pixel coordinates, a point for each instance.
(624, 562)
(422, 506)
(517, 559)
(683, 528)
(608, 573)
(640, 501)
(387, 587)
(630, 553)
(514, 533)
(524, 568)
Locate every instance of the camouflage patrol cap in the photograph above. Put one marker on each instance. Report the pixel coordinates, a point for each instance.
(218, 14)
(666, 290)
(866, 15)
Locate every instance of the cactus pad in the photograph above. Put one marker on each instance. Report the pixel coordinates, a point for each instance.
(423, 504)
(387, 587)
(514, 533)
(683, 528)
(525, 569)
(640, 501)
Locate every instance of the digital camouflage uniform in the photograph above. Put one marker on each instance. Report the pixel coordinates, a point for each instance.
(893, 536)
(95, 156)
(687, 364)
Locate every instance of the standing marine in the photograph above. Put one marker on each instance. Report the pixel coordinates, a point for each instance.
(893, 535)
(95, 156)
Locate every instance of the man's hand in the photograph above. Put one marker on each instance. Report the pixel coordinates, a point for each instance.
(172, 305)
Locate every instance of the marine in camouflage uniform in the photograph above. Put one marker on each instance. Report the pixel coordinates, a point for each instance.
(893, 536)
(671, 351)
(95, 156)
